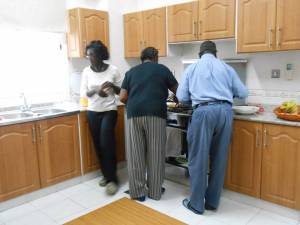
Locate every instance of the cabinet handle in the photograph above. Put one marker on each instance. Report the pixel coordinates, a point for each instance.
(194, 28)
(278, 37)
(145, 44)
(141, 44)
(265, 138)
(199, 28)
(257, 138)
(41, 134)
(270, 37)
(33, 135)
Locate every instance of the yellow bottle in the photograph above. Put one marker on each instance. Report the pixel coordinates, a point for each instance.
(83, 102)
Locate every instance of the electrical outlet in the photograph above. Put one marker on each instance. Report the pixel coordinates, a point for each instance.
(275, 73)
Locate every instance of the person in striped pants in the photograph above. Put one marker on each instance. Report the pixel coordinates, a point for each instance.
(144, 91)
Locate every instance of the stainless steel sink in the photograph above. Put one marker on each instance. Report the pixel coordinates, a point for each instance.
(48, 111)
(13, 116)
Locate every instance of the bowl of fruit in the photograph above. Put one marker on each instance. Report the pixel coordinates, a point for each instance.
(288, 111)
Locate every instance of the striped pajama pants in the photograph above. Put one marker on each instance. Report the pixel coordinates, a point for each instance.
(146, 142)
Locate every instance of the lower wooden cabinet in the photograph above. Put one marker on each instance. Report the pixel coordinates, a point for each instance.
(264, 161)
(59, 154)
(281, 165)
(244, 159)
(90, 160)
(19, 172)
(38, 154)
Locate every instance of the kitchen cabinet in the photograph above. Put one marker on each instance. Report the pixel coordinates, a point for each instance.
(268, 25)
(244, 159)
(90, 160)
(264, 162)
(19, 172)
(84, 26)
(201, 20)
(281, 165)
(89, 157)
(58, 145)
(144, 29)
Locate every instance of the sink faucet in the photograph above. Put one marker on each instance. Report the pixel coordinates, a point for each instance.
(25, 106)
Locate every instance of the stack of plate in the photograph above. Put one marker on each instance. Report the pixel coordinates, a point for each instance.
(246, 110)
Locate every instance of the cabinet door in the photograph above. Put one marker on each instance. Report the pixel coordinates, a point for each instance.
(133, 34)
(94, 25)
(288, 25)
(73, 34)
(281, 165)
(256, 25)
(154, 26)
(58, 149)
(120, 135)
(216, 19)
(182, 22)
(90, 159)
(19, 172)
(244, 161)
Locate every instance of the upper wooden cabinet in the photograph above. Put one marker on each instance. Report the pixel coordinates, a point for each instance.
(216, 19)
(182, 22)
(268, 25)
(288, 25)
(59, 157)
(281, 165)
(84, 26)
(244, 160)
(200, 20)
(145, 29)
(19, 172)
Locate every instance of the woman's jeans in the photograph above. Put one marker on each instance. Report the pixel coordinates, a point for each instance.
(102, 126)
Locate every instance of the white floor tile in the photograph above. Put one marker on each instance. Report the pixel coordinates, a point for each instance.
(62, 209)
(90, 198)
(16, 212)
(75, 190)
(94, 183)
(48, 200)
(268, 218)
(186, 216)
(170, 200)
(233, 213)
(35, 218)
(208, 221)
(281, 210)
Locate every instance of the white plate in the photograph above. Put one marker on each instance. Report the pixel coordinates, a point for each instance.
(245, 109)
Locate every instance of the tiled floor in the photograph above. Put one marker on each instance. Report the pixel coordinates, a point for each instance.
(65, 205)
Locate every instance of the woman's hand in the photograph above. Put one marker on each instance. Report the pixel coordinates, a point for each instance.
(102, 93)
(109, 85)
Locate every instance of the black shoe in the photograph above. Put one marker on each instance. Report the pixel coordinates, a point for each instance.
(209, 207)
(186, 203)
(140, 199)
(163, 190)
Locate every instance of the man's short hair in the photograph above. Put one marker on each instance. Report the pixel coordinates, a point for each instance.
(149, 53)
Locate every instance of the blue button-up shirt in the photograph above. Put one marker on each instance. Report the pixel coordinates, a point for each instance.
(210, 79)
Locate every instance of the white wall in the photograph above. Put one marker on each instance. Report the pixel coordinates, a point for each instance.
(146, 4)
(33, 14)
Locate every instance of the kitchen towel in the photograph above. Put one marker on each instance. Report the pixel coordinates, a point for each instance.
(174, 142)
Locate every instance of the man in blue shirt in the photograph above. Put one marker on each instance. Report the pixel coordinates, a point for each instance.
(210, 84)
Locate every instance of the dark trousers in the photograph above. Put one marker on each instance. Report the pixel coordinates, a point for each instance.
(102, 126)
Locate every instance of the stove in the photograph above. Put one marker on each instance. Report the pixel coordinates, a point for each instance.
(179, 117)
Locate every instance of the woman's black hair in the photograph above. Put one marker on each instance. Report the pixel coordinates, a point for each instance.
(149, 53)
(99, 48)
